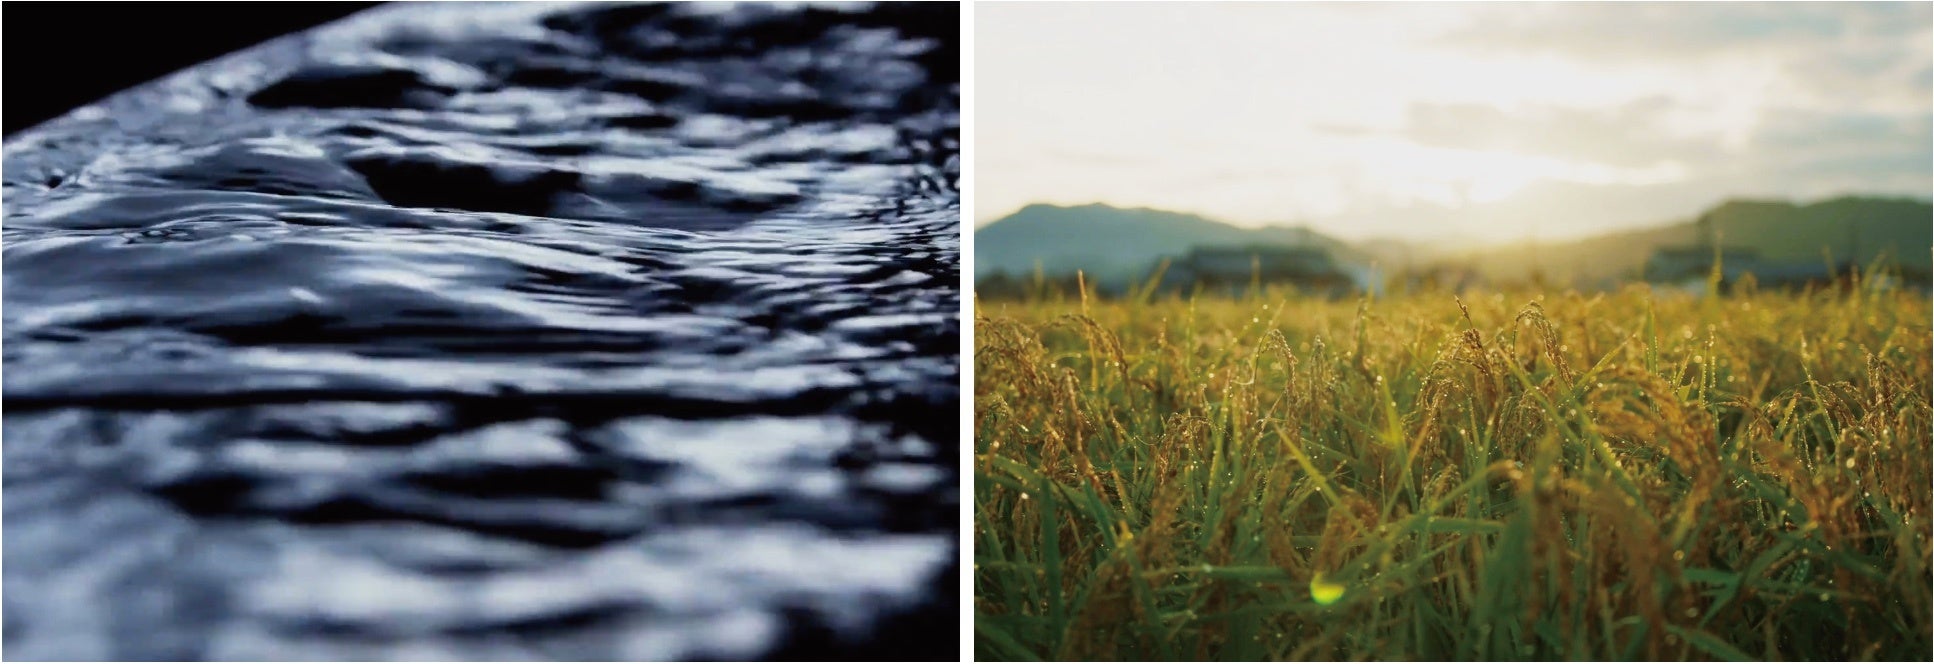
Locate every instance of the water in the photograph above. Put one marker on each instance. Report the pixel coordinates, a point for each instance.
(505, 332)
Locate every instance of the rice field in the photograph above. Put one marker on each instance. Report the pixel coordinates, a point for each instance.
(1494, 476)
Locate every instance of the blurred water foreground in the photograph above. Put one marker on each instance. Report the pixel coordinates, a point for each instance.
(495, 332)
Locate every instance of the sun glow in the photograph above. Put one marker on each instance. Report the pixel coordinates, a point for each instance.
(1458, 177)
(1336, 114)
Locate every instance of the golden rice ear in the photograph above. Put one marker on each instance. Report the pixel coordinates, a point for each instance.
(1664, 509)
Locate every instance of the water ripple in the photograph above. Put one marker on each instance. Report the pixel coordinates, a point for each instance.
(495, 332)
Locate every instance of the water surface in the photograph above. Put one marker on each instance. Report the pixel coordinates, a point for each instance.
(499, 332)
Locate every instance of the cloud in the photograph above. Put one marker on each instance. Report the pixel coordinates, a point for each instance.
(1892, 73)
(1654, 31)
(1635, 135)
(1788, 129)
(1093, 158)
(1847, 52)
(1451, 119)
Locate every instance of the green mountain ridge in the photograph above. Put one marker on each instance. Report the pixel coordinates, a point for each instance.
(1119, 245)
(1116, 244)
(1858, 228)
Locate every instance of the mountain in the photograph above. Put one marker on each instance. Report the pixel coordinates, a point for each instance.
(1902, 229)
(1116, 245)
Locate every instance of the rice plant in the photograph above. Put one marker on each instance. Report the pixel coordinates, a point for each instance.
(1638, 474)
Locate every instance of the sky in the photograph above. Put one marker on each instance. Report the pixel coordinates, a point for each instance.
(1449, 121)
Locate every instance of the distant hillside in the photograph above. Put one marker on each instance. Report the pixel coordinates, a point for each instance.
(1115, 245)
(1901, 228)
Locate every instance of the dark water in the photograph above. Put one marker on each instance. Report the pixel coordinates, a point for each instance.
(459, 332)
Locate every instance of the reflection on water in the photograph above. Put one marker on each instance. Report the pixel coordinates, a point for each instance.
(592, 332)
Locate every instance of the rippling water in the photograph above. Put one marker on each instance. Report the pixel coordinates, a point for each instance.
(517, 331)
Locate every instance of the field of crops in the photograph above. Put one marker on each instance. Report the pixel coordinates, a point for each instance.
(1520, 475)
